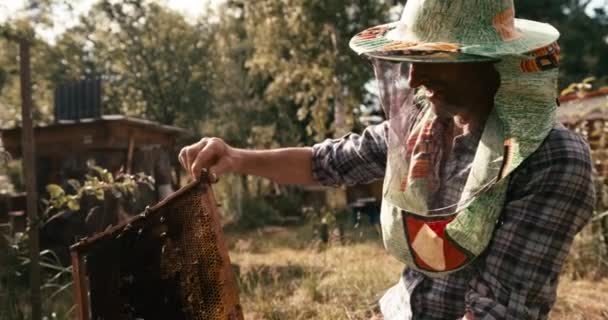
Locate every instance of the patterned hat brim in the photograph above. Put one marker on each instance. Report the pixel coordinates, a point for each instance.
(373, 42)
(429, 56)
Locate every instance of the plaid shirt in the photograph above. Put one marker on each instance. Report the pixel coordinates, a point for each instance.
(549, 199)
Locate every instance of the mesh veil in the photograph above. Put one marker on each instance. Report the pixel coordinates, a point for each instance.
(430, 156)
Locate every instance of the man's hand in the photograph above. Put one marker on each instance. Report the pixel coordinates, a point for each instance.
(211, 153)
(286, 165)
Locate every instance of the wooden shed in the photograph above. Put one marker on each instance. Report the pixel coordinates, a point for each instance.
(575, 108)
(112, 141)
(587, 114)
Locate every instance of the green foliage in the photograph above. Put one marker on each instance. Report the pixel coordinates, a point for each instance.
(289, 203)
(5, 157)
(96, 184)
(260, 74)
(258, 213)
(329, 224)
(10, 95)
(3, 76)
(153, 63)
(13, 170)
(300, 53)
(14, 279)
(241, 114)
(56, 284)
(22, 25)
(579, 88)
(253, 63)
(251, 209)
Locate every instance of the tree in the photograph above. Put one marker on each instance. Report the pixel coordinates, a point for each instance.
(292, 76)
(301, 54)
(22, 25)
(153, 63)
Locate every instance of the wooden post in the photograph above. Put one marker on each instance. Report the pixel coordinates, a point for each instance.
(29, 172)
(81, 286)
(130, 150)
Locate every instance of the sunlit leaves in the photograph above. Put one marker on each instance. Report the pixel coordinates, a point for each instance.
(10, 95)
(300, 49)
(580, 88)
(55, 191)
(152, 62)
(98, 183)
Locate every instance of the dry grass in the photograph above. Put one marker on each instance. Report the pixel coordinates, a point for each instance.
(581, 300)
(285, 274)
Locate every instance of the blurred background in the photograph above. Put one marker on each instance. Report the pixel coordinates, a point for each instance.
(119, 86)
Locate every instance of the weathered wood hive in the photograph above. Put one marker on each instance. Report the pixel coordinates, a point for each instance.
(169, 262)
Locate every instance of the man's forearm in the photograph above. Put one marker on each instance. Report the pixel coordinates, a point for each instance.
(285, 165)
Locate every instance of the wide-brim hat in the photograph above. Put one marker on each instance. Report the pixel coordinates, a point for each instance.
(454, 31)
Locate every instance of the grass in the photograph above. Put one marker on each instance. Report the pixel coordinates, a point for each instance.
(56, 290)
(581, 300)
(286, 274)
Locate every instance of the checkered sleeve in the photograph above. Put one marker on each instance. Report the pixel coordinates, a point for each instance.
(549, 201)
(352, 159)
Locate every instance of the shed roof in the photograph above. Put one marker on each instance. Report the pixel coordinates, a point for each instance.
(106, 132)
(119, 118)
(588, 106)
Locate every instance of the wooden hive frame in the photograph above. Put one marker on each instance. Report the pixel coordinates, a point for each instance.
(169, 262)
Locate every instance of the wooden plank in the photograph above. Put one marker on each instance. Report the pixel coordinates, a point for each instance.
(29, 172)
(80, 286)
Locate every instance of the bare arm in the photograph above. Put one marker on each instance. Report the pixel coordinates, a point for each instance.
(286, 165)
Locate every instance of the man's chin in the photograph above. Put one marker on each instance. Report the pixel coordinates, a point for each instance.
(441, 111)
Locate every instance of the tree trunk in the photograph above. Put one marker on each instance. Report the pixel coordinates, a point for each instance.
(337, 198)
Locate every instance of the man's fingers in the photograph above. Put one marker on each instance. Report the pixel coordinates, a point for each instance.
(205, 158)
(204, 154)
(181, 158)
(189, 153)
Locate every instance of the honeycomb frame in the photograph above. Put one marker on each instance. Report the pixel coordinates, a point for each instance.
(169, 262)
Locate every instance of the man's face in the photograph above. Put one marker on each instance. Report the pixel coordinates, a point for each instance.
(453, 88)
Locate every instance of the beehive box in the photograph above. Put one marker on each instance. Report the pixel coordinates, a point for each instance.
(169, 262)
